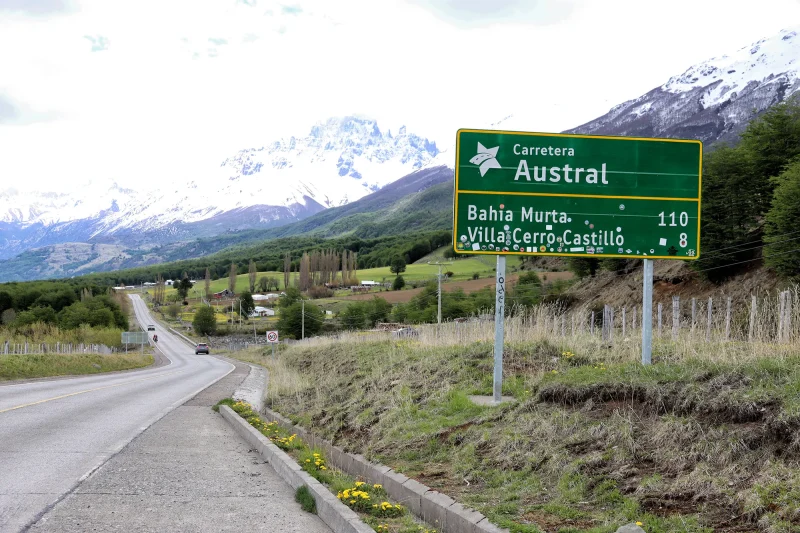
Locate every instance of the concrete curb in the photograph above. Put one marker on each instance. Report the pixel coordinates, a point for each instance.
(251, 390)
(337, 516)
(435, 508)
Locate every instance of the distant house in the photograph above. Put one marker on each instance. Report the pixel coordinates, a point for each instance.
(149, 284)
(169, 283)
(261, 297)
(262, 311)
(223, 294)
(370, 283)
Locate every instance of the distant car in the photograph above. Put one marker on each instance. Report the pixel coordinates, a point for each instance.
(201, 348)
(151, 327)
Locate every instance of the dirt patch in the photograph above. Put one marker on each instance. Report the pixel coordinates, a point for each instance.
(469, 286)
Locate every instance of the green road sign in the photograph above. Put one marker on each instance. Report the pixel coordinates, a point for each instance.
(576, 195)
(134, 337)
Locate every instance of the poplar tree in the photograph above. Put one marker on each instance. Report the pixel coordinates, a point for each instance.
(232, 279)
(252, 273)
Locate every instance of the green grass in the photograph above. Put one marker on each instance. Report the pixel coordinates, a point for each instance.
(49, 365)
(589, 444)
(307, 503)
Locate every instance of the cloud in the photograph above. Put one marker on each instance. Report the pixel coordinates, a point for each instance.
(8, 111)
(217, 41)
(479, 13)
(99, 43)
(291, 10)
(38, 7)
(14, 113)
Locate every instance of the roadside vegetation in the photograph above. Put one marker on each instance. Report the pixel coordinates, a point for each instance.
(74, 364)
(705, 439)
(370, 501)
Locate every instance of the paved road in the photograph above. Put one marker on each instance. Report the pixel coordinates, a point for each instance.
(190, 471)
(53, 434)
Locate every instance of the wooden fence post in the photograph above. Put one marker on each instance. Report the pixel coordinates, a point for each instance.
(676, 305)
(708, 321)
(591, 325)
(789, 305)
(752, 318)
(635, 312)
(623, 321)
(659, 319)
(694, 315)
(728, 321)
(782, 306)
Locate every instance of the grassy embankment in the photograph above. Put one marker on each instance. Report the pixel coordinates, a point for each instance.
(706, 439)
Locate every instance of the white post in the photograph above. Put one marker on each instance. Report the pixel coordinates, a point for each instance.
(708, 320)
(694, 314)
(499, 317)
(781, 313)
(752, 318)
(647, 311)
(303, 320)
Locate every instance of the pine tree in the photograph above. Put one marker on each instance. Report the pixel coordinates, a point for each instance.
(781, 251)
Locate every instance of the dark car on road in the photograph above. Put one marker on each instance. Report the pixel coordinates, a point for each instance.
(201, 348)
(151, 327)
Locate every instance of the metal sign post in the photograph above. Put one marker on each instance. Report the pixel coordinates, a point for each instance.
(499, 327)
(272, 338)
(647, 311)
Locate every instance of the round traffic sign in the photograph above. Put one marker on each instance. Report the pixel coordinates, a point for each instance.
(272, 336)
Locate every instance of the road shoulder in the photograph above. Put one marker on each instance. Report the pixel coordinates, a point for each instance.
(188, 472)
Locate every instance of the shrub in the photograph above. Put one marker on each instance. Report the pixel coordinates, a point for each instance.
(205, 321)
(398, 283)
(475, 275)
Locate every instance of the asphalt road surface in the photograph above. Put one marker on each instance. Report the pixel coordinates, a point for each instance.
(54, 434)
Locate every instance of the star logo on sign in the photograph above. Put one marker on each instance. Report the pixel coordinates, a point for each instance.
(486, 159)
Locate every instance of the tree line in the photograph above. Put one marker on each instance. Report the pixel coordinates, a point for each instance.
(66, 304)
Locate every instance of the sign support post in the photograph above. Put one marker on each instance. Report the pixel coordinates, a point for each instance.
(647, 311)
(499, 327)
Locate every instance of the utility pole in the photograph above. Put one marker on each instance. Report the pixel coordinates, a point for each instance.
(439, 291)
(303, 320)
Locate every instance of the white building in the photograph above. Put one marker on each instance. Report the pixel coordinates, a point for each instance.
(262, 311)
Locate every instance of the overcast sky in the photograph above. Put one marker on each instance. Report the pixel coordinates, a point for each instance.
(140, 92)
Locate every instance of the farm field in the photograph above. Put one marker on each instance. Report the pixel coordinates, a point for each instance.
(395, 297)
(462, 269)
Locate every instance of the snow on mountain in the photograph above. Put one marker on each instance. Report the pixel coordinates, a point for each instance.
(768, 61)
(713, 100)
(339, 161)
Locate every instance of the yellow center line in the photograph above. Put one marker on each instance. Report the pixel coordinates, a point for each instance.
(85, 391)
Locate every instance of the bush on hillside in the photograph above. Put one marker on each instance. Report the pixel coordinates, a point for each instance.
(205, 321)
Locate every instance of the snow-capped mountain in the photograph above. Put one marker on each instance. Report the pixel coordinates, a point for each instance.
(713, 100)
(339, 161)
